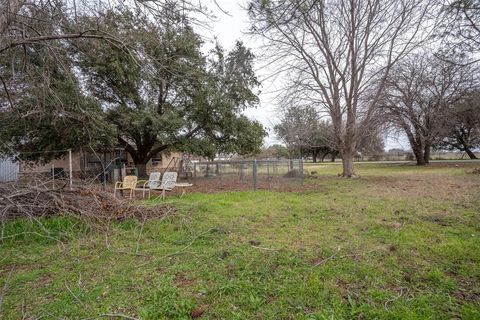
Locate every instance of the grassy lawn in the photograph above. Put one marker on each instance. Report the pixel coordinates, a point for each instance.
(400, 242)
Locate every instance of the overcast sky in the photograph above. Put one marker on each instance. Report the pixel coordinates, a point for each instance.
(231, 25)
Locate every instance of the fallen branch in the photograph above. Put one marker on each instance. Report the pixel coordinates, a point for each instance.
(267, 249)
(118, 315)
(190, 244)
(73, 295)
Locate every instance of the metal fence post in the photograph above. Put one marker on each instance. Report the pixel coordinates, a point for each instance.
(53, 176)
(254, 174)
(301, 171)
(70, 169)
(194, 172)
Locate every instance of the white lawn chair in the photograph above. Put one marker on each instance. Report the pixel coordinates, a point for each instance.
(169, 180)
(152, 183)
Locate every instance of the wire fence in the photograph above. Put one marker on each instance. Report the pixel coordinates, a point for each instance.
(57, 168)
(247, 174)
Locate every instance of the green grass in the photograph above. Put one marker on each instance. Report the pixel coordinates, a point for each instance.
(401, 242)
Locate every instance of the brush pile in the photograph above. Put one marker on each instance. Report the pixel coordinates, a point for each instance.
(97, 205)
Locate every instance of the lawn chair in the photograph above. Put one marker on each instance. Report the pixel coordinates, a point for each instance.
(152, 183)
(169, 181)
(128, 183)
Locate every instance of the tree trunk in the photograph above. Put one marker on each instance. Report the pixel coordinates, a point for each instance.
(347, 163)
(426, 154)
(334, 155)
(419, 155)
(314, 156)
(347, 151)
(470, 153)
(141, 166)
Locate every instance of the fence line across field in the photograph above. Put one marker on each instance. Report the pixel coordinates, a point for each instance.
(246, 171)
(70, 169)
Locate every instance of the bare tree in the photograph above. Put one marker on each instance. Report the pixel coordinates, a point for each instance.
(419, 95)
(462, 130)
(460, 28)
(334, 50)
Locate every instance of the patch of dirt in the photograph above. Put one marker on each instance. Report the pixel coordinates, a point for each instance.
(467, 291)
(182, 281)
(441, 218)
(345, 289)
(292, 174)
(408, 276)
(196, 313)
(474, 171)
(271, 298)
(317, 261)
(427, 186)
(465, 294)
(234, 183)
(342, 284)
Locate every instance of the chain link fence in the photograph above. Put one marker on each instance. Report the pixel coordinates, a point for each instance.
(247, 174)
(67, 169)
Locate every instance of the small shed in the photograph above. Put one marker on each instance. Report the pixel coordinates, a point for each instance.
(8, 169)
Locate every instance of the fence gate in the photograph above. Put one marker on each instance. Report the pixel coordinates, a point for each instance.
(8, 170)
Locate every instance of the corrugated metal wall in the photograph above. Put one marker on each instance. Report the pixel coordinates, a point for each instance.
(8, 170)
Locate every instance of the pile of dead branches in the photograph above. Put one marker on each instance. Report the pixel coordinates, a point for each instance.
(96, 205)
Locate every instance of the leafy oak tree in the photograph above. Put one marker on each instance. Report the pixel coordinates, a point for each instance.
(304, 133)
(152, 91)
(42, 106)
(173, 96)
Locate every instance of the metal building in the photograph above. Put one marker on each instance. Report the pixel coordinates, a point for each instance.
(8, 170)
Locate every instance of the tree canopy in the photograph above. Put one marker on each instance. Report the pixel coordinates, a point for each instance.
(305, 134)
(420, 95)
(333, 52)
(155, 91)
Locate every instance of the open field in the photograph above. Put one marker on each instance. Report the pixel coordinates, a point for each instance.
(400, 242)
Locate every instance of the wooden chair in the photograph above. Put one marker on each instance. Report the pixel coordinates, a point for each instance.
(128, 183)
